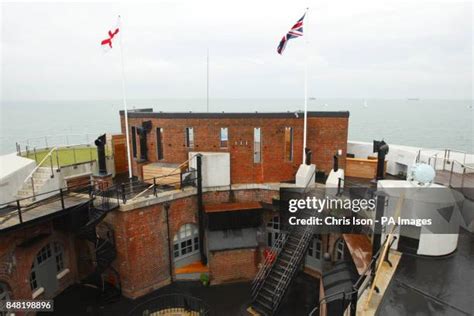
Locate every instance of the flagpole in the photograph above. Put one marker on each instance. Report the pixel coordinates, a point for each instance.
(305, 124)
(207, 80)
(130, 175)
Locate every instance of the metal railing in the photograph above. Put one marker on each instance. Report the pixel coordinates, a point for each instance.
(291, 267)
(19, 206)
(172, 304)
(48, 141)
(459, 173)
(142, 188)
(30, 177)
(268, 263)
(358, 287)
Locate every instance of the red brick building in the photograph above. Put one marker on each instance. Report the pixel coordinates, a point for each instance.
(171, 136)
(181, 233)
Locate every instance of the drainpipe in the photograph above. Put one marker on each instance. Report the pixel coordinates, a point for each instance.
(170, 250)
(200, 208)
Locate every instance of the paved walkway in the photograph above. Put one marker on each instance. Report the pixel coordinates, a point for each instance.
(9, 216)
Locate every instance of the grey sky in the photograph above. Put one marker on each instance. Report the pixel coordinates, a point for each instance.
(365, 49)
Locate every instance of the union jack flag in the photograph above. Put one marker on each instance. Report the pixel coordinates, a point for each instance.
(295, 31)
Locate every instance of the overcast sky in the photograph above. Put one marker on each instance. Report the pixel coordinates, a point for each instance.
(364, 49)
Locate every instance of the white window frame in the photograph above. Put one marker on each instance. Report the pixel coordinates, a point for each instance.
(186, 240)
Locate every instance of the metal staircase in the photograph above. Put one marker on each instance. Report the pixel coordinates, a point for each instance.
(105, 251)
(275, 276)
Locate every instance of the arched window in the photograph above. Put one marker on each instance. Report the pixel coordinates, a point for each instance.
(186, 241)
(49, 261)
(339, 249)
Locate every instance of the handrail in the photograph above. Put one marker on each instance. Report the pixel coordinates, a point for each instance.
(38, 165)
(30, 176)
(127, 188)
(293, 262)
(268, 263)
(169, 174)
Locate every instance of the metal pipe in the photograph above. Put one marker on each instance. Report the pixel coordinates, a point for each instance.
(124, 197)
(451, 174)
(57, 159)
(62, 198)
(33, 187)
(51, 164)
(19, 211)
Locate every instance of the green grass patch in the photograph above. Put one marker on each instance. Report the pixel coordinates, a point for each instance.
(65, 156)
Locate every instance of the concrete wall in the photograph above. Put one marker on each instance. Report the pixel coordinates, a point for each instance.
(215, 168)
(13, 172)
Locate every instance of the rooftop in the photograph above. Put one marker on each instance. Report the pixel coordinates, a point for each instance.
(148, 113)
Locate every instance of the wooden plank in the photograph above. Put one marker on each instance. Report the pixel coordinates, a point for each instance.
(163, 175)
(362, 168)
(120, 153)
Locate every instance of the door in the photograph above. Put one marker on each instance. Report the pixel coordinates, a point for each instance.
(44, 271)
(315, 253)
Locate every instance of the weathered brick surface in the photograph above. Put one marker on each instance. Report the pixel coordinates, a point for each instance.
(141, 238)
(233, 265)
(16, 261)
(325, 136)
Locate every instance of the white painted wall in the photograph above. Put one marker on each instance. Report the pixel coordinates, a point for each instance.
(305, 175)
(332, 181)
(423, 203)
(215, 168)
(13, 171)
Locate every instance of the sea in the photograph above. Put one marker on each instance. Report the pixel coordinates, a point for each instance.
(426, 123)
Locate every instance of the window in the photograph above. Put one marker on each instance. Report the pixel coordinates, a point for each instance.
(339, 250)
(134, 142)
(289, 143)
(257, 154)
(273, 230)
(159, 143)
(33, 282)
(58, 253)
(224, 137)
(189, 137)
(50, 256)
(315, 247)
(186, 241)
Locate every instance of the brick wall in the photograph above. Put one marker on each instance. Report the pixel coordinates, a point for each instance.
(233, 265)
(325, 136)
(141, 238)
(16, 260)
